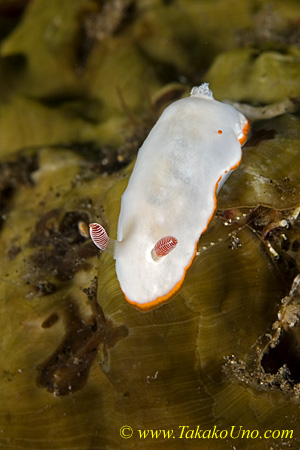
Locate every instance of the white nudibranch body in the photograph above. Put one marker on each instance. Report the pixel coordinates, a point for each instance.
(171, 195)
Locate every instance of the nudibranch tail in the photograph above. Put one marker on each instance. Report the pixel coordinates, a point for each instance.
(163, 247)
(99, 236)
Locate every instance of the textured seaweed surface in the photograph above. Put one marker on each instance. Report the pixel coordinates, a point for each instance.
(81, 84)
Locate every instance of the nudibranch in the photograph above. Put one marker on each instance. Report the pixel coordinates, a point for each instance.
(172, 195)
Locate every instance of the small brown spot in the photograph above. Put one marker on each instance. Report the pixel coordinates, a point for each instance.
(296, 245)
(13, 251)
(50, 321)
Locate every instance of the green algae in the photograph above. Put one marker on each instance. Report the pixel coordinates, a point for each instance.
(257, 76)
(269, 167)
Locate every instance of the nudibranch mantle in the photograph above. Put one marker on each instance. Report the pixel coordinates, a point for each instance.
(172, 192)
